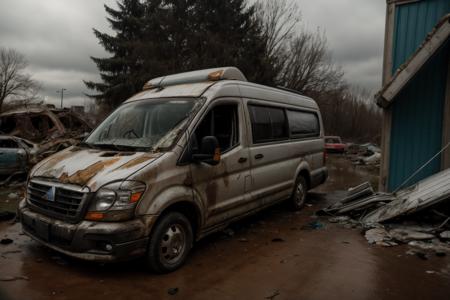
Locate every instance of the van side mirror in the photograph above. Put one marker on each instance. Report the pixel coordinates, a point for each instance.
(209, 151)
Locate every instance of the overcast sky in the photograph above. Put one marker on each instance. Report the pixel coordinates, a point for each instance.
(56, 37)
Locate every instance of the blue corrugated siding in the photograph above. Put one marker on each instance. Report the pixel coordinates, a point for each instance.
(417, 113)
(413, 22)
(417, 120)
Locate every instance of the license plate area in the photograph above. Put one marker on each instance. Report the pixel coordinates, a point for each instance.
(39, 228)
(43, 230)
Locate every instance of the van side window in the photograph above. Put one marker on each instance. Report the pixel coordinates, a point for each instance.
(303, 124)
(221, 122)
(268, 124)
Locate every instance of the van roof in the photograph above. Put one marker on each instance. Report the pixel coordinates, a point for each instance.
(227, 88)
(261, 92)
(218, 82)
(182, 90)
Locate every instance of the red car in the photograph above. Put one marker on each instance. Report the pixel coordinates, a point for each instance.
(334, 144)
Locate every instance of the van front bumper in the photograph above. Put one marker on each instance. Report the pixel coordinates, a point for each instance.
(95, 241)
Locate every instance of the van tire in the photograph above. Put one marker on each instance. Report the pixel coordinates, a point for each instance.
(170, 243)
(298, 197)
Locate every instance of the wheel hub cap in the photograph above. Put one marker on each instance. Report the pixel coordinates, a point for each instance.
(173, 244)
(299, 195)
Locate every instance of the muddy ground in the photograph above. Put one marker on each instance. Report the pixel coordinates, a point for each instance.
(276, 254)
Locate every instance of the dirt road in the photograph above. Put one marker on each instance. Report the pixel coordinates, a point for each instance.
(276, 254)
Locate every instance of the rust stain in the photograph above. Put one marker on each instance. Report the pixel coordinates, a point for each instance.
(137, 161)
(188, 180)
(82, 177)
(75, 149)
(211, 193)
(225, 174)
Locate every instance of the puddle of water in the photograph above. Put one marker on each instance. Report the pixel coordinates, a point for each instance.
(342, 175)
(8, 203)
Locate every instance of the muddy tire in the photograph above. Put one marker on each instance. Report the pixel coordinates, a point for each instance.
(297, 200)
(170, 243)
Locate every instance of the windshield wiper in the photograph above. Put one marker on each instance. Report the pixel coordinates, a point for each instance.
(107, 146)
(121, 147)
(101, 146)
(136, 148)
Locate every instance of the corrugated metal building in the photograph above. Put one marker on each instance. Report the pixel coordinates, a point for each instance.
(416, 90)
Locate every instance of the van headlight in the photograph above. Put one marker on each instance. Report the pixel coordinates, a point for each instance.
(116, 201)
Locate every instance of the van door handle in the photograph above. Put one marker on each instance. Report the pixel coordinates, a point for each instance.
(242, 160)
(259, 156)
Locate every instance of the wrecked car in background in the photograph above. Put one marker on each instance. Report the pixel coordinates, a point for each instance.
(41, 124)
(31, 134)
(364, 154)
(16, 155)
(184, 158)
(334, 144)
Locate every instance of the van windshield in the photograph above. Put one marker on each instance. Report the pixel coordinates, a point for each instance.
(142, 126)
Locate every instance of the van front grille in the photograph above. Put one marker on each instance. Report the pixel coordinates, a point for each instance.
(55, 200)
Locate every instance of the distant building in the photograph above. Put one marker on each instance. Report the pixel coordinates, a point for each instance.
(416, 90)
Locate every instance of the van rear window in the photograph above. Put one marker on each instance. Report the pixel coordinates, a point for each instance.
(268, 124)
(303, 124)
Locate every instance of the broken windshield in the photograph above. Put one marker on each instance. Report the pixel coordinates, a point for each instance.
(141, 125)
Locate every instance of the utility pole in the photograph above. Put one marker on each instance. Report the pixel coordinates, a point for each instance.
(62, 96)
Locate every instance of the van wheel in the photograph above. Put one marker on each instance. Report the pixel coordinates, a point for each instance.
(299, 194)
(170, 243)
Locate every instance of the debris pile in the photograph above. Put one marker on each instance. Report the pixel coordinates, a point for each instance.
(42, 125)
(365, 154)
(373, 211)
(29, 135)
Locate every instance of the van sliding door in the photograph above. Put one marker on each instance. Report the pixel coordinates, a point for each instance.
(270, 153)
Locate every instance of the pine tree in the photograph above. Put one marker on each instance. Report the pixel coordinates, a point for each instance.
(159, 37)
(119, 72)
(227, 33)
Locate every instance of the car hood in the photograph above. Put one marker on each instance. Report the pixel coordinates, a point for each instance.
(91, 168)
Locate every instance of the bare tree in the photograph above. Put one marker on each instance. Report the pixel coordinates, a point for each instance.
(301, 57)
(308, 67)
(303, 63)
(14, 82)
(279, 20)
(351, 114)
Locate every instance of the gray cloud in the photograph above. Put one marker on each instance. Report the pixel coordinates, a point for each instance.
(355, 34)
(56, 37)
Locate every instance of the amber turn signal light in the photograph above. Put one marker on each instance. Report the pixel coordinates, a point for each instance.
(95, 216)
(135, 197)
(215, 76)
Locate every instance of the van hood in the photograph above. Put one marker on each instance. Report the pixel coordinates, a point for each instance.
(91, 168)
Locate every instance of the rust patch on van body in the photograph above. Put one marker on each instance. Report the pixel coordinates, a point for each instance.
(188, 180)
(225, 174)
(211, 193)
(82, 177)
(138, 160)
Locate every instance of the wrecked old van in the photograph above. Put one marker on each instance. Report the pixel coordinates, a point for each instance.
(182, 159)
